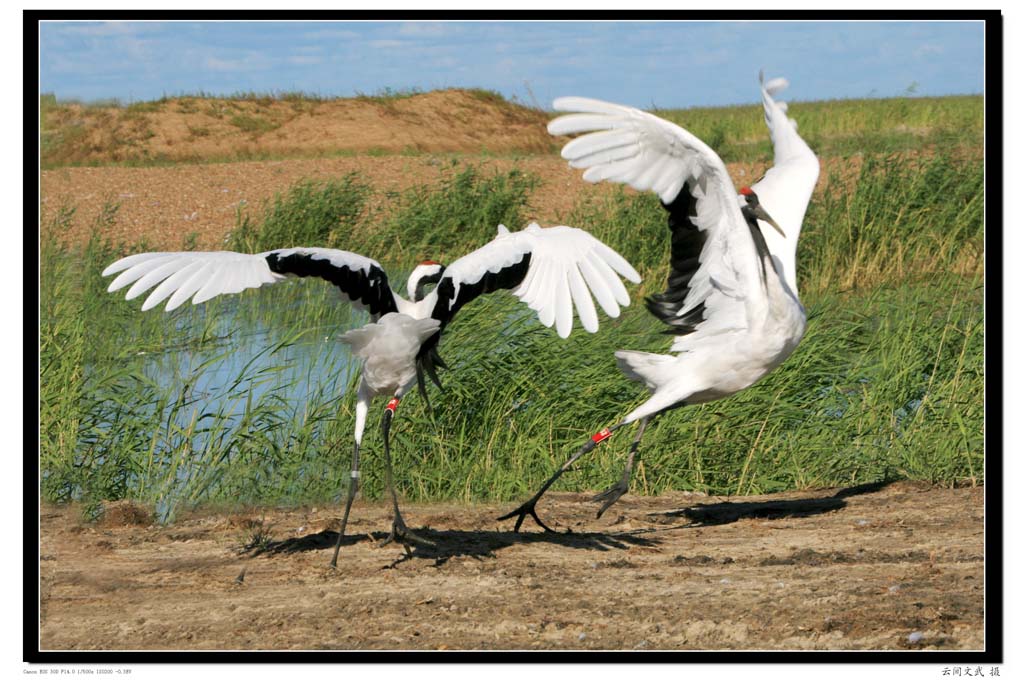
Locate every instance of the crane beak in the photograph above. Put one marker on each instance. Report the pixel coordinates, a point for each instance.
(763, 215)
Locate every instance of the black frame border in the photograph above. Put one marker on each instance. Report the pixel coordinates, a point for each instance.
(994, 504)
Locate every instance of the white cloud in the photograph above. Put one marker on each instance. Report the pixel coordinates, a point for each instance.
(431, 29)
(331, 34)
(712, 57)
(215, 64)
(304, 60)
(929, 49)
(104, 29)
(507, 66)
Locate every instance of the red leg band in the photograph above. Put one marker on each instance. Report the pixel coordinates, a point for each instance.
(602, 435)
(392, 405)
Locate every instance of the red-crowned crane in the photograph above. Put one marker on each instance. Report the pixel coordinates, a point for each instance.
(549, 269)
(731, 299)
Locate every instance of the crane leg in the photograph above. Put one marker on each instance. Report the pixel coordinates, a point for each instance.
(362, 407)
(530, 506)
(399, 531)
(612, 494)
(353, 487)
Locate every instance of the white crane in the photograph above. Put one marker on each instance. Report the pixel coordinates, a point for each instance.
(549, 269)
(732, 297)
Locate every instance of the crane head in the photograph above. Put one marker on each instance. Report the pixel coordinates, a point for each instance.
(756, 210)
(426, 273)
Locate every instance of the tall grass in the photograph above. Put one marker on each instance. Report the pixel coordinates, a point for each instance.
(842, 126)
(462, 208)
(247, 399)
(897, 218)
(311, 213)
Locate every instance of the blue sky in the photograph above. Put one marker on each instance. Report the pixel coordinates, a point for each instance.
(665, 64)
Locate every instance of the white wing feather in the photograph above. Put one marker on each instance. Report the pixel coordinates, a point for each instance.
(626, 145)
(201, 275)
(566, 266)
(785, 190)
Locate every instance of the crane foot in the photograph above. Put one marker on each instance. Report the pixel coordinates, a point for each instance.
(401, 533)
(527, 508)
(611, 496)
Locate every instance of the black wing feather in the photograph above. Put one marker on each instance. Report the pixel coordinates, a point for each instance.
(369, 288)
(687, 243)
(507, 278)
(510, 277)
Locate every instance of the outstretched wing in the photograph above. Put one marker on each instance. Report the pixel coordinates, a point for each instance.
(549, 269)
(203, 275)
(715, 283)
(785, 190)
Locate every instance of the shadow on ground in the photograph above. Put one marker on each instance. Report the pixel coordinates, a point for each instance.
(446, 544)
(730, 512)
(453, 543)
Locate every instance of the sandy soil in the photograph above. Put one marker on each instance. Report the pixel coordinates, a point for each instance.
(166, 204)
(862, 568)
(189, 128)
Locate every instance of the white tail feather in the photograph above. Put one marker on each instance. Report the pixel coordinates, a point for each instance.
(776, 85)
(362, 339)
(649, 368)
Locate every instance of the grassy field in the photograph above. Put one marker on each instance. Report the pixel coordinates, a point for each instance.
(842, 127)
(247, 399)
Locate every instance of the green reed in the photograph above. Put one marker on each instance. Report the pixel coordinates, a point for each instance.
(249, 399)
(842, 126)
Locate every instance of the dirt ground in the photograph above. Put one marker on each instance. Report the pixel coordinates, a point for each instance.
(166, 204)
(876, 567)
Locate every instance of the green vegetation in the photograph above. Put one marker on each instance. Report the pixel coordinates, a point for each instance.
(320, 213)
(198, 131)
(55, 135)
(248, 399)
(489, 96)
(841, 127)
(898, 218)
(387, 96)
(252, 124)
(146, 107)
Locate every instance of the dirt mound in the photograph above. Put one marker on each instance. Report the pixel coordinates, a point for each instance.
(200, 128)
